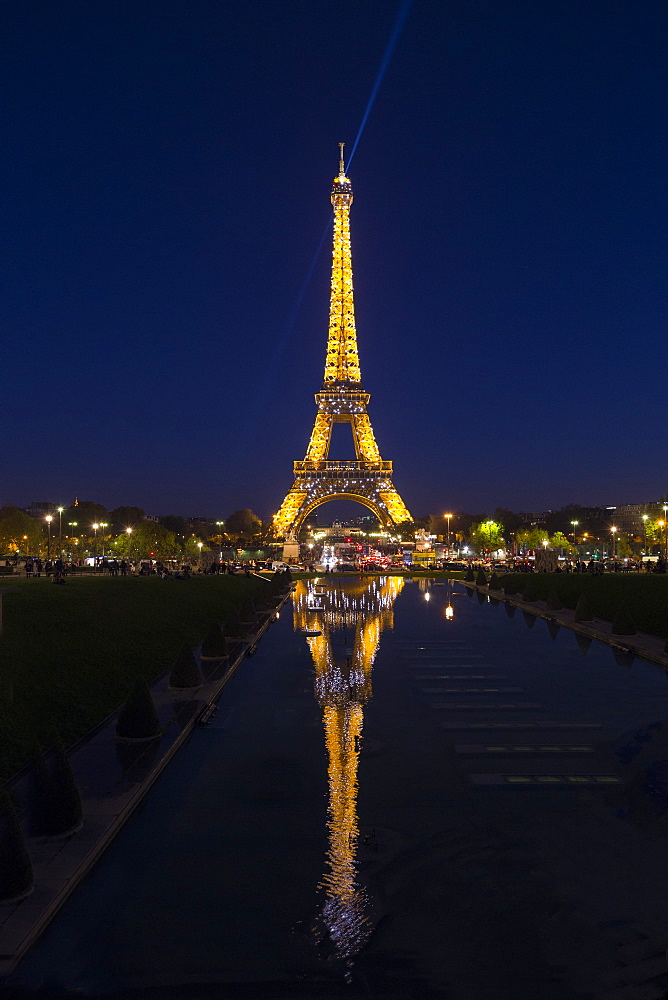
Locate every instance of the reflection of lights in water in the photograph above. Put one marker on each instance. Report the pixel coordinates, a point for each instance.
(449, 612)
(427, 596)
(342, 689)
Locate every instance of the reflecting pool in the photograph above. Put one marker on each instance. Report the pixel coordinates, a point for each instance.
(406, 793)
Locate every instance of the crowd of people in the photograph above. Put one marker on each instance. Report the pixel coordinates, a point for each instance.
(59, 569)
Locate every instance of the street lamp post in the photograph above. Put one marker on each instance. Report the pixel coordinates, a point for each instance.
(103, 525)
(448, 516)
(60, 530)
(73, 524)
(644, 531)
(220, 525)
(614, 532)
(95, 527)
(48, 520)
(665, 534)
(575, 544)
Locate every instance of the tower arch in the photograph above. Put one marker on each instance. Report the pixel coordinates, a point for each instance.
(308, 509)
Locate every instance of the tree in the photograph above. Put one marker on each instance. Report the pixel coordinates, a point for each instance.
(179, 525)
(487, 536)
(150, 540)
(559, 541)
(623, 547)
(19, 531)
(653, 532)
(508, 519)
(531, 539)
(121, 518)
(243, 523)
(86, 513)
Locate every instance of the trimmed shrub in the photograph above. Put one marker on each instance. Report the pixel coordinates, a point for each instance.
(248, 611)
(470, 575)
(530, 591)
(138, 719)
(185, 672)
(287, 576)
(66, 805)
(509, 586)
(481, 579)
(554, 602)
(56, 803)
(582, 610)
(214, 645)
(623, 623)
(16, 877)
(494, 583)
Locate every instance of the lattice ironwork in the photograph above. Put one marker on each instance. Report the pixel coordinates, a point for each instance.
(342, 400)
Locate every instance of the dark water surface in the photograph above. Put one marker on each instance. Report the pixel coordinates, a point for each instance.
(428, 799)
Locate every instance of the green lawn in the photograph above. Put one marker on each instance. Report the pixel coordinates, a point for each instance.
(70, 653)
(644, 595)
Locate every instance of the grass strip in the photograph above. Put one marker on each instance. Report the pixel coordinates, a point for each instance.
(70, 654)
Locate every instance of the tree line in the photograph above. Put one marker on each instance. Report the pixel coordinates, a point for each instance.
(124, 532)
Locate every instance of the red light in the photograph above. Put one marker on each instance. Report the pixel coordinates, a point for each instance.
(151, 553)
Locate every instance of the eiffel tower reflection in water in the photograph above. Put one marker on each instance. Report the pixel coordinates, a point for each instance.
(350, 616)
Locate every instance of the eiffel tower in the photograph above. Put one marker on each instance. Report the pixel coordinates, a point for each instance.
(368, 480)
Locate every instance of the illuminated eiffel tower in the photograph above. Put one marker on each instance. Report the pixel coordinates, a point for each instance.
(368, 480)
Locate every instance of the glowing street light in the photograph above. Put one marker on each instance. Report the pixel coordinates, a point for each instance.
(95, 527)
(665, 511)
(614, 532)
(220, 525)
(103, 525)
(448, 516)
(644, 530)
(575, 524)
(48, 520)
(60, 529)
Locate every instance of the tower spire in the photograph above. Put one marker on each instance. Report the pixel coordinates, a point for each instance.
(342, 360)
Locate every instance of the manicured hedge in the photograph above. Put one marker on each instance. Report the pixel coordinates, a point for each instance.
(643, 595)
(71, 653)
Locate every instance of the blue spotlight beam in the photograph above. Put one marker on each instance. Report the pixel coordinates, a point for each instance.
(253, 414)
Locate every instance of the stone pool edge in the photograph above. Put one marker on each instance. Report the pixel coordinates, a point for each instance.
(649, 647)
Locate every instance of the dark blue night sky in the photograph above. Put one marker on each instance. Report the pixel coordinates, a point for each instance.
(166, 186)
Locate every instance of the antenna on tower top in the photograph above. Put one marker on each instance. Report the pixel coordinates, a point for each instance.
(342, 169)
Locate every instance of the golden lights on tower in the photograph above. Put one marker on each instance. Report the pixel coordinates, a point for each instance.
(368, 479)
(342, 687)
